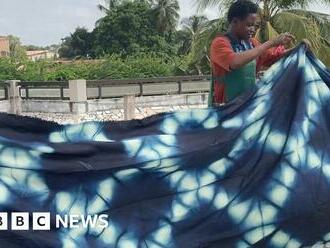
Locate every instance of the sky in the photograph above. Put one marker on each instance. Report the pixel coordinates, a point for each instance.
(45, 22)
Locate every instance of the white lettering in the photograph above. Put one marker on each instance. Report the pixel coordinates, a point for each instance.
(74, 220)
(104, 219)
(59, 220)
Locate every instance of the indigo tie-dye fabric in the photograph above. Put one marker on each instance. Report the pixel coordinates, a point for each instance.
(253, 173)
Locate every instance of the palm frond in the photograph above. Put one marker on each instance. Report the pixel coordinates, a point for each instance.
(221, 4)
(289, 4)
(323, 20)
(305, 27)
(167, 14)
(204, 37)
(300, 26)
(324, 52)
(267, 34)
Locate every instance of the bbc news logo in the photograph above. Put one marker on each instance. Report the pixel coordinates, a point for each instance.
(41, 221)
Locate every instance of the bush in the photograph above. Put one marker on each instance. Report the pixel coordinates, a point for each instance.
(142, 65)
(138, 66)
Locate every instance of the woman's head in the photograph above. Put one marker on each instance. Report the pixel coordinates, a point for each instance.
(242, 17)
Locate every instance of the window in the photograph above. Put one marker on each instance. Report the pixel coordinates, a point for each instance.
(4, 54)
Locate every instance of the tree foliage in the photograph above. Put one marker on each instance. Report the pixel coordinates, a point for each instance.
(17, 51)
(78, 44)
(187, 34)
(166, 14)
(110, 67)
(129, 27)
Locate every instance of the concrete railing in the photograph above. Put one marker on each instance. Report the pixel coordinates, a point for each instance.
(100, 89)
(81, 96)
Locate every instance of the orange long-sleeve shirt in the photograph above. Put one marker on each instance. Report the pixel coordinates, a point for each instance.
(222, 54)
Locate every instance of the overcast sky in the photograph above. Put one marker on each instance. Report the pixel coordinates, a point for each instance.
(45, 22)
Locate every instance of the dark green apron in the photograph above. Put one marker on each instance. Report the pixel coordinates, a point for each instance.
(236, 82)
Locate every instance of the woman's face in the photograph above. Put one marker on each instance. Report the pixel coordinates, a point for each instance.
(246, 28)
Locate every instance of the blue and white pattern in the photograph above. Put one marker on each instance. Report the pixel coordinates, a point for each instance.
(254, 173)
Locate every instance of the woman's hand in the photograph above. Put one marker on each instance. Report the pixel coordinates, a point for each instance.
(283, 39)
(307, 43)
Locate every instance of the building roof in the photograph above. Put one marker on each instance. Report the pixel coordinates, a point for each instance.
(4, 44)
(36, 52)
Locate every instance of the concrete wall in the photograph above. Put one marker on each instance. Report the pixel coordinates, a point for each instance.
(58, 106)
(123, 108)
(5, 106)
(107, 109)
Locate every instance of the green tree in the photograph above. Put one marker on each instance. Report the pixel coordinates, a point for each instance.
(129, 28)
(193, 23)
(277, 16)
(33, 48)
(186, 35)
(106, 8)
(17, 51)
(198, 58)
(167, 15)
(78, 44)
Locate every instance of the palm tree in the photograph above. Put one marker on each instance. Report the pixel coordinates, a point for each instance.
(166, 12)
(193, 23)
(107, 6)
(277, 16)
(199, 55)
(190, 27)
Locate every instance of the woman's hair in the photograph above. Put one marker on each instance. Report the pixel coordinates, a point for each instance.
(241, 9)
